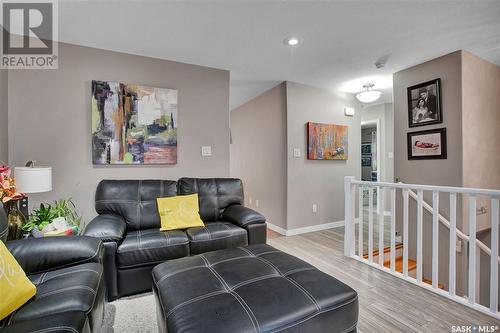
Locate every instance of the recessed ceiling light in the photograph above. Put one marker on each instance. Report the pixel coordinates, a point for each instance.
(291, 41)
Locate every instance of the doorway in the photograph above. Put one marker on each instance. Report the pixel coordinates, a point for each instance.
(370, 156)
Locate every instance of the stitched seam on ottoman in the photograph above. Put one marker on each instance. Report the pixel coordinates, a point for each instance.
(229, 259)
(306, 293)
(243, 304)
(194, 300)
(264, 277)
(177, 272)
(54, 292)
(297, 270)
(316, 314)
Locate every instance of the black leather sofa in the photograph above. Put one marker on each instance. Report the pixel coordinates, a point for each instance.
(67, 272)
(128, 223)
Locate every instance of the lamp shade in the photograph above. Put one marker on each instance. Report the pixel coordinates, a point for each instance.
(33, 180)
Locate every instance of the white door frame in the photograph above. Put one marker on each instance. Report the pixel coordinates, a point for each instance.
(376, 122)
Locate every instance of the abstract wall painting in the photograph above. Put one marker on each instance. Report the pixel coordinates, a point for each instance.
(326, 141)
(133, 124)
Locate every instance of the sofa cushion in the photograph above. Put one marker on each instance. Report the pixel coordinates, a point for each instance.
(215, 194)
(67, 289)
(151, 246)
(134, 200)
(249, 289)
(67, 322)
(216, 236)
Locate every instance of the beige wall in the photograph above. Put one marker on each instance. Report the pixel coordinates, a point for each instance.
(49, 119)
(318, 182)
(436, 172)
(481, 128)
(258, 152)
(4, 129)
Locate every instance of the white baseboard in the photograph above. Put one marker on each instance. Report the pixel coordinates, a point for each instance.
(303, 230)
(279, 230)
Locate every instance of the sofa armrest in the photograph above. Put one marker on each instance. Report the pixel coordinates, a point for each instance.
(107, 227)
(38, 255)
(242, 216)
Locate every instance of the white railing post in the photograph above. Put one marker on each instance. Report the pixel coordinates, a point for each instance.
(393, 229)
(494, 256)
(435, 239)
(370, 224)
(453, 244)
(405, 231)
(472, 249)
(361, 190)
(348, 217)
(420, 217)
(380, 200)
(475, 247)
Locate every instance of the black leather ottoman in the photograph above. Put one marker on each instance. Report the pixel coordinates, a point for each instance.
(250, 289)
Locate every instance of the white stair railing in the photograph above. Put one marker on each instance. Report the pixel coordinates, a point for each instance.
(351, 185)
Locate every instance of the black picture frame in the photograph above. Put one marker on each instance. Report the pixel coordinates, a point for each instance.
(442, 139)
(431, 112)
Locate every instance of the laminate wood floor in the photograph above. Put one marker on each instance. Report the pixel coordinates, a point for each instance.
(387, 304)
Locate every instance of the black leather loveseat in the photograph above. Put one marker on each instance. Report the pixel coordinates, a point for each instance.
(67, 272)
(128, 224)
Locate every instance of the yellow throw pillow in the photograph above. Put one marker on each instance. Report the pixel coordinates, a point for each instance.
(16, 288)
(180, 212)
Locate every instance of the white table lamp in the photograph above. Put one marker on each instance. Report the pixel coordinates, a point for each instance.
(32, 180)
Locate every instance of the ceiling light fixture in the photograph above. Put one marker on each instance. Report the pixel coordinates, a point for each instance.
(369, 95)
(291, 41)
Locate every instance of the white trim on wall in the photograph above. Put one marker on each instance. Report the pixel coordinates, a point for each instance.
(304, 230)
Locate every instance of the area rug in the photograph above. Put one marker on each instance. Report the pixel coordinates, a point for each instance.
(131, 314)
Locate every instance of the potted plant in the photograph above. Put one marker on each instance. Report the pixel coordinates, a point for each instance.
(54, 220)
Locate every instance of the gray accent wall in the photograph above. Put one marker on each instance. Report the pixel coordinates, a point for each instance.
(4, 117)
(49, 119)
(446, 172)
(258, 153)
(318, 182)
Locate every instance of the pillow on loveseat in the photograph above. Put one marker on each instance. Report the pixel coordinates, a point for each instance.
(16, 288)
(179, 212)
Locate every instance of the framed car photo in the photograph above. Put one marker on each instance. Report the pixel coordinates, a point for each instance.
(427, 145)
(424, 104)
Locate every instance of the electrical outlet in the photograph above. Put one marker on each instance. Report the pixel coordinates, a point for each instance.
(296, 152)
(256, 203)
(315, 208)
(206, 151)
(459, 246)
(250, 200)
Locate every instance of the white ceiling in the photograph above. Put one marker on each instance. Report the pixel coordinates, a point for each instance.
(341, 39)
